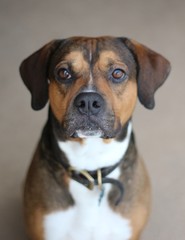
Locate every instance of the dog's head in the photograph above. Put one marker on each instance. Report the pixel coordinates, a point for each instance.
(93, 83)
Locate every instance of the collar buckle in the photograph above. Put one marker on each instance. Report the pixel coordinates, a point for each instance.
(90, 180)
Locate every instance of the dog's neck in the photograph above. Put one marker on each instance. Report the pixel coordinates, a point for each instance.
(95, 153)
(93, 156)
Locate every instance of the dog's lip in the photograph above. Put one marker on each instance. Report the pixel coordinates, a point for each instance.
(89, 133)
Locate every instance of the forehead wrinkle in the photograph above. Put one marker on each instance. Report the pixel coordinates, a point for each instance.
(107, 58)
(91, 52)
(89, 47)
(86, 47)
(76, 59)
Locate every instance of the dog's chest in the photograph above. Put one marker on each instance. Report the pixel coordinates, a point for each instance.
(88, 219)
(91, 217)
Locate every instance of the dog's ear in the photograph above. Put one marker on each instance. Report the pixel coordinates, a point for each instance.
(34, 72)
(152, 71)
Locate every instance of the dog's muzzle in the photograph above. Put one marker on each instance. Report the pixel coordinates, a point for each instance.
(89, 115)
(89, 108)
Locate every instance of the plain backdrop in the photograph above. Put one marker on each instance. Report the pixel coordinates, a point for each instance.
(27, 25)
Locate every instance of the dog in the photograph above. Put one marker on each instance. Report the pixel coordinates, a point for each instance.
(86, 180)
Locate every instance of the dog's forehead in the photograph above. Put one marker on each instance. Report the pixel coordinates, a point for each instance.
(91, 49)
(90, 44)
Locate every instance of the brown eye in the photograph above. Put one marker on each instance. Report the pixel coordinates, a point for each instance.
(64, 74)
(118, 74)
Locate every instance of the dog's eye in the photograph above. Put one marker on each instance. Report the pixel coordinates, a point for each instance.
(119, 75)
(64, 74)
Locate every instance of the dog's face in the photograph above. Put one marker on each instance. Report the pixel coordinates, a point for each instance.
(93, 83)
(93, 86)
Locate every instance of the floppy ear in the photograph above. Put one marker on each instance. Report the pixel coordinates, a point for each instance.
(34, 72)
(152, 71)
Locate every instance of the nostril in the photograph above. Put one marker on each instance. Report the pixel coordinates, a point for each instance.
(81, 104)
(96, 104)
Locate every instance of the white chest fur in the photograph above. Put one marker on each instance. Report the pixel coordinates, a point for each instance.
(87, 219)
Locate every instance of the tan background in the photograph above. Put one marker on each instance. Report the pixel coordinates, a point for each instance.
(27, 25)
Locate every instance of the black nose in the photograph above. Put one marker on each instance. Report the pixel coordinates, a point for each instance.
(89, 103)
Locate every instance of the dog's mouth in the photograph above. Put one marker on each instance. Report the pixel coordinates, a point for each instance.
(90, 127)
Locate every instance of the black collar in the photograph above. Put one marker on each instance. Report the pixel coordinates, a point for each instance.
(92, 178)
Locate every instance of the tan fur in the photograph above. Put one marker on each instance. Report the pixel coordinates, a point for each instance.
(104, 58)
(124, 104)
(140, 209)
(78, 62)
(60, 97)
(34, 223)
(33, 212)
